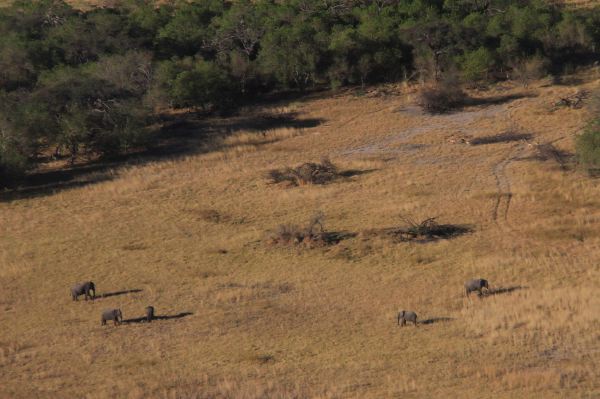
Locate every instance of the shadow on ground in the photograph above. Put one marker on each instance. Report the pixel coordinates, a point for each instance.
(356, 172)
(421, 236)
(117, 293)
(159, 317)
(505, 137)
(502, 290)
(179, 136)
(435, 320)
(335, 237)
(497, 100)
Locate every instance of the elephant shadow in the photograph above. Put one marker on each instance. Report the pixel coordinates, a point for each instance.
(502, 290)
(435, 320)
(158, 317)
(117, 293)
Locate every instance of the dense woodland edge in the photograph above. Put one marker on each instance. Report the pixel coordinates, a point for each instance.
(90, 84)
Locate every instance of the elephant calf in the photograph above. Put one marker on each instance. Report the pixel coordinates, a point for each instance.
(149, 313)
(406, 315)
(112, 314)
(83, 289)
(476, 285)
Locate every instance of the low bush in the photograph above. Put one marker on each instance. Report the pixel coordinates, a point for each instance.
(313, 235)
(443, 97)
(587, 146)
(528, 70)
(307, 173)
(290, 234)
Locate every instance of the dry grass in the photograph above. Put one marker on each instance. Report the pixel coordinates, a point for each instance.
(283, 323)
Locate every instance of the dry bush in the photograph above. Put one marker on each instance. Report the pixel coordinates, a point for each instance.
(313, 235)
(424, 231)
(529, 70)
(576, 100)
(307, 173)
(443, 97)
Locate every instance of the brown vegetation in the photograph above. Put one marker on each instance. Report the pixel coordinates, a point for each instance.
(442, 97)
(314, 323)
(307, 173)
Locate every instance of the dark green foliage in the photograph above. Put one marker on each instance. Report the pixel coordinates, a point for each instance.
(196, 83)
(84, 81)
(189, 29)
(588, 146)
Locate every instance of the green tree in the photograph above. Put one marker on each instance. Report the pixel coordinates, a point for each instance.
(196, 83)
(477, 64)
(189, 29)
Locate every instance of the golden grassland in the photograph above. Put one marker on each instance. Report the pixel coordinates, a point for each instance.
(274, 322)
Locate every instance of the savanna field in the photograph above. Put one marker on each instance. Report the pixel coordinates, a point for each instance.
(280, 179)
(188, 234)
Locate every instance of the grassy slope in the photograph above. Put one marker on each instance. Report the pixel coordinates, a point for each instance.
(319, 323)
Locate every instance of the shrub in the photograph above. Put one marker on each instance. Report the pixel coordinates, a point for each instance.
(307, 173)
(12, 164)
(588, 145)
(443, 97)
(477, 64)
(313, 234)
(530, 69)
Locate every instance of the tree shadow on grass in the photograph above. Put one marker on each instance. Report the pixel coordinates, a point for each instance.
(45, 183)
(435, 320)
(178, 137)
(118, 293)
(505, 137)
(159, 317)
(497, 100)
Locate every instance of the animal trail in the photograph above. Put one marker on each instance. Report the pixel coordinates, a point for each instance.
(504, 197)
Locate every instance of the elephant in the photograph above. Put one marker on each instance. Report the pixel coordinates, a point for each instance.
(407, 315)
(476, 285)
(83, 289)
(112, 314)
(149, 313)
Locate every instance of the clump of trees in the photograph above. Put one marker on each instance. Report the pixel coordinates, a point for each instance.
(87, 83)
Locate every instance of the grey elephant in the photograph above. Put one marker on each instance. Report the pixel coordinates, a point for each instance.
(476, 285)
(112, 314)
(83, 289)
(407, 315)
(149, 313)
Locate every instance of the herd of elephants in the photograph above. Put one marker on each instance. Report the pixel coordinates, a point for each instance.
(88, 289)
